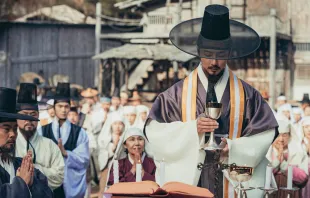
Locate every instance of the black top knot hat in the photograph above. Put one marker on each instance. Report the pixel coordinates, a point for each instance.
(215, 36)
(62, 93)
(27, 97)
(8, 106)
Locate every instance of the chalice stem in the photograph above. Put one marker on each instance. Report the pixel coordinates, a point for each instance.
(211, 137)
(288, 195)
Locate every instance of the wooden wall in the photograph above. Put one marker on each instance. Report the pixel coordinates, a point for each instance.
(51, 48)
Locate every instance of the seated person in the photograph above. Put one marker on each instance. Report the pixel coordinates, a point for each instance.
(133, 144)
(287, 151)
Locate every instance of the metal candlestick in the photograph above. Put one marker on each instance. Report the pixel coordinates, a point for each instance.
(241, 174)
(289, 190)
(267, 191)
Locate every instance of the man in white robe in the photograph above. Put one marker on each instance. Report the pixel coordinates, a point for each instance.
(47, 156)
(177, 124)
(73, 143)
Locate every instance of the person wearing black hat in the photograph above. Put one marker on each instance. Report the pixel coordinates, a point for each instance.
(46, 155)
(18, 177)
(72, 141)
(305, 102)
(214, 38)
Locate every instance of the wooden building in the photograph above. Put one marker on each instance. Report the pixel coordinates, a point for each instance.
(159, 16)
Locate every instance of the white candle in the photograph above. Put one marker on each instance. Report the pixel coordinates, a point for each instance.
(268, 177)
(290, 177)
(115, 171)
(138, 172)
(162, 173)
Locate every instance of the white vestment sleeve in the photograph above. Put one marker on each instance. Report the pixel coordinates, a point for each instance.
(178, 144)
(55, 171)
(250, 150)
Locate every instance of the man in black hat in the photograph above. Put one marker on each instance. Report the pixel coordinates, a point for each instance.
(46, 155)
(18, 177)
(73, 143)
(246, 127)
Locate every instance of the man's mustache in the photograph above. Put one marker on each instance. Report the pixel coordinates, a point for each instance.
(29, 124)
(214, 67)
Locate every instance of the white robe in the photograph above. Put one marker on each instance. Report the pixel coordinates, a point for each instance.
(49, 159)
(179, 144)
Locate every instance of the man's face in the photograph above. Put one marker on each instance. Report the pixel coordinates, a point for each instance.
(281, 102)
(297, 117)
(287, 114)
(307, 111)
(90, 101)
(28, 128)
(8, 135)
(124, 101)
(213, 67)
(61, 110)
(115, 101)
(73, 117)
(106, 106)
(306, 130)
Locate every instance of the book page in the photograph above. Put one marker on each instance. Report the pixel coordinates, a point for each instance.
(133, 188)
(185, 189)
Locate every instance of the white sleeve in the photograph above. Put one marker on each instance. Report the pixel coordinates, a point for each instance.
(250, 151)
(178, 144)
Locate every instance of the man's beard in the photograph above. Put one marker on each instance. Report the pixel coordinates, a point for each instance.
(7, 154)
(215, 78)
(28, 133)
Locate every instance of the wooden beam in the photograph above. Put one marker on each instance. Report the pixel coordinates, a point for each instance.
(97, 44)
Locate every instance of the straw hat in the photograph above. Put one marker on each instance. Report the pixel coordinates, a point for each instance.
(89, 93)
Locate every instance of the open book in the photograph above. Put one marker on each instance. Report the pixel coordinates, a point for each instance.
(151, 189)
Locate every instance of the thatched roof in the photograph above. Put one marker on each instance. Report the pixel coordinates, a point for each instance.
(61, 13)
(146, 52)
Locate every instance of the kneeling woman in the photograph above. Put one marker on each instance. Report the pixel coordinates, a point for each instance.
(133, 146)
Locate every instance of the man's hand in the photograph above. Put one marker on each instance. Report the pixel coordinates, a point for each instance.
(62, 148)
(26, 170)
(205, 125)
(225, 151)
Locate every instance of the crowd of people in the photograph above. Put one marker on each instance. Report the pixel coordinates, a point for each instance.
(291, 147)
(68, 140)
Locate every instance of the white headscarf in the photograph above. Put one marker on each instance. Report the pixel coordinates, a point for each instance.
(285, 107)
(141, 109)
(296, 154)
(120, 150)
(105, 135)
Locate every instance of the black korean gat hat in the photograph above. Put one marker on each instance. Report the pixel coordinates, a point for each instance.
(215, 36)
(27, 97)
(62, 93)
(8, 106)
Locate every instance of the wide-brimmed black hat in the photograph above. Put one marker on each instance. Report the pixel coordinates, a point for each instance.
(62, 93)
(305, 99)
(27, 97)
(215, 36)
(8, 106)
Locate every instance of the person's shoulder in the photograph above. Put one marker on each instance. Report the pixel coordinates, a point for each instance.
(173, 91)
(250, 91)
